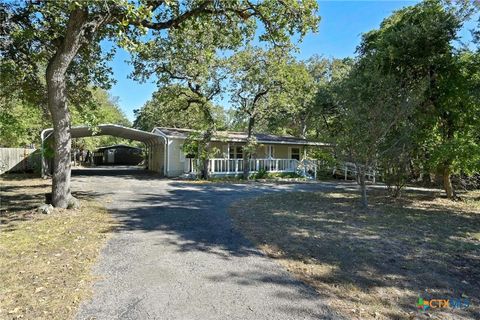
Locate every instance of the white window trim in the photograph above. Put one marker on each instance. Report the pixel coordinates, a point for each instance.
(290, 152)
(225, 151)
(234, 151)
(270, 151)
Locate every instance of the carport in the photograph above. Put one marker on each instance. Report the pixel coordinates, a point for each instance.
(155, 144)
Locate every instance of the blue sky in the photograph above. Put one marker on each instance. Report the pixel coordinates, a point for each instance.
(339, 32)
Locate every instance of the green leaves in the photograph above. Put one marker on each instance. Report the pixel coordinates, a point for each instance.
(187, 53)
(411, 102)
(168, 108)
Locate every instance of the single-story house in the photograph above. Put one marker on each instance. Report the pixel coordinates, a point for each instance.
(274, 153)
(118, 155)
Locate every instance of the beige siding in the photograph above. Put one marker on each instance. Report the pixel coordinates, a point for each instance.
(157, 157)
(281, 151)
(176, 163)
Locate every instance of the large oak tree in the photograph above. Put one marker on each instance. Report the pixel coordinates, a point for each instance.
(257, 78)
(53, 48)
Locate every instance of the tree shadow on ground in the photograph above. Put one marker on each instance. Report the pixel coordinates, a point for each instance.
(392, 250)
(125, 172)
(192, 217)
(384, 255)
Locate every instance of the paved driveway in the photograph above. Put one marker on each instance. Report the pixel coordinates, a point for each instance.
(178, 257)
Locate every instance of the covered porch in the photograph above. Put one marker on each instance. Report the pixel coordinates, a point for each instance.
(273, 154)
(223, 167)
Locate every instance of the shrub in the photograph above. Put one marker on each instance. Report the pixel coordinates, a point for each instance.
(261, 174)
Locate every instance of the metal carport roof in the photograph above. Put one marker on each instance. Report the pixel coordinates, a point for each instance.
(152, 140)
(108, 129)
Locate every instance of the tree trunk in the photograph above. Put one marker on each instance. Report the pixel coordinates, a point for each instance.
(57, 104)
(207, 137)
(205, 172)
(303, 126)
(246, 165)
(247, 152)
(62, 143)
(447, 183)
(363, 187)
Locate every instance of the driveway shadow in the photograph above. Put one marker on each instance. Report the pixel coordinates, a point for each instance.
(189, 221)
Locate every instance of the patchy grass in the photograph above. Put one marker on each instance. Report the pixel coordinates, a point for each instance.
(20, 194)
(46, 260)
(375, 263)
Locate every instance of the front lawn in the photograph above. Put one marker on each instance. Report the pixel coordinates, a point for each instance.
(46, 260)
(376, 263)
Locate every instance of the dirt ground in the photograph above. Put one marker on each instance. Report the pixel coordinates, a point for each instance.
(375, 263)
(46, 260)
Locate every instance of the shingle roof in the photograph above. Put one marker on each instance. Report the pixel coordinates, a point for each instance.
(233, 136)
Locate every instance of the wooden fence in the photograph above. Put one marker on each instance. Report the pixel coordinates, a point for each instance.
(19, 160)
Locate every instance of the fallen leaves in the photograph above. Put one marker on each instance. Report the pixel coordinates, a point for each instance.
(45, 261)
(369, 264)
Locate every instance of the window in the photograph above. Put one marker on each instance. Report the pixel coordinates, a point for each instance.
(239, 152)
(295, 153)
(270, 152)
(236, 152)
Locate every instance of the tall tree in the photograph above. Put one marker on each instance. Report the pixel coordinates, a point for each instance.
(166, 108)
(371, 105)
(63, 37)
(416, 45)
(256, 76)
(308, 97)
(296, 100)
(21, 122)
(188, 60)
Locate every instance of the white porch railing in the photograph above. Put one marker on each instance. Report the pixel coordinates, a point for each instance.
(349, 169)
(235, 166)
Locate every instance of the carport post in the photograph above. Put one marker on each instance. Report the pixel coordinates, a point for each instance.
(146, 154)
(45, 167)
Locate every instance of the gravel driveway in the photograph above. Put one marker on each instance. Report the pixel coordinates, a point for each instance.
(178, 257)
